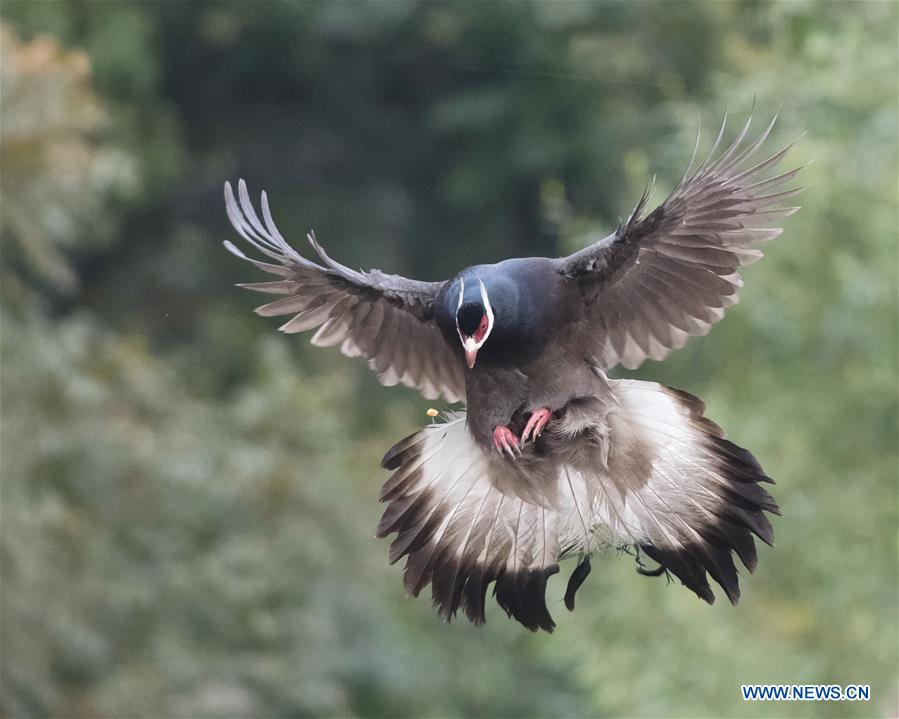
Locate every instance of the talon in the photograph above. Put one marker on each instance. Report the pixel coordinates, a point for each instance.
(504, 440)
(536, 424)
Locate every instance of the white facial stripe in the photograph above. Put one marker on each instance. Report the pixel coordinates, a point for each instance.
(469, 342)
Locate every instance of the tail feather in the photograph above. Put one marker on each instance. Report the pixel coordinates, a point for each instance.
(648, 470)
(702, 499)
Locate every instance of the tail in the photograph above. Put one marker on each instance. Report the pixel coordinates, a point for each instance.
(645, 469)
(460, 533)
(673, 486)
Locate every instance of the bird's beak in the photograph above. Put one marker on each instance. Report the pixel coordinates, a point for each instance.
(471, 351)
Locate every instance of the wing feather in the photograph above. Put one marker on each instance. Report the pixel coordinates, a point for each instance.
(387, 319)
(710, 226)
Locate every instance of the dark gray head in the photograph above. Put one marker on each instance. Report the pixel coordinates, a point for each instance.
(502, 314)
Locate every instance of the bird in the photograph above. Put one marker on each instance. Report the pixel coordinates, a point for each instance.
(549, 457)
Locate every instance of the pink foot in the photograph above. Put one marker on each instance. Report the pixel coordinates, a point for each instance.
(538, 420)
(504, 440)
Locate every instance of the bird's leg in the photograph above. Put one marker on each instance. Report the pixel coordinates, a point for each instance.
(536, 423)
(641, 568)
(504, 440)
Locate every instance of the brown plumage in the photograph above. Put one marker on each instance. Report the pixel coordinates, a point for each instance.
(551, 458)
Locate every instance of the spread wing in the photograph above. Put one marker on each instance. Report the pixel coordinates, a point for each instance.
(387, 319)
(662, 278)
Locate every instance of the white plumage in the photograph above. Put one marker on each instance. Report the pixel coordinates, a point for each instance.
(641, 466)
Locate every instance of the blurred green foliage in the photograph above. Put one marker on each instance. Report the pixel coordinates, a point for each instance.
(189, 498)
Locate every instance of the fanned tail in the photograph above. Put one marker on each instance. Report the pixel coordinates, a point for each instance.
(645, 469)
(460, 534)
(673, 486)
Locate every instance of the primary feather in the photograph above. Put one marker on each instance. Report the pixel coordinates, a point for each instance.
(384, 318)
(669, 275)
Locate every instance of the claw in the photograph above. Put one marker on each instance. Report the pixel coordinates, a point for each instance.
(536, 423)
(504, 440)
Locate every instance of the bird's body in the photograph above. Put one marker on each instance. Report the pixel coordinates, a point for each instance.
(537, 361)
(551, 457)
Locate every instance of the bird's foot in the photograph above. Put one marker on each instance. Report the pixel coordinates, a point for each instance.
(536, 424)
(504, 440)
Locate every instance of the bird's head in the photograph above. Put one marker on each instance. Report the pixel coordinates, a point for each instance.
(474, 319)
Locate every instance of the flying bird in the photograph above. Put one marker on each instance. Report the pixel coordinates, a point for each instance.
(550, 457)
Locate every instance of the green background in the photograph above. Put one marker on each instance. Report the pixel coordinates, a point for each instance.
(189, 498)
